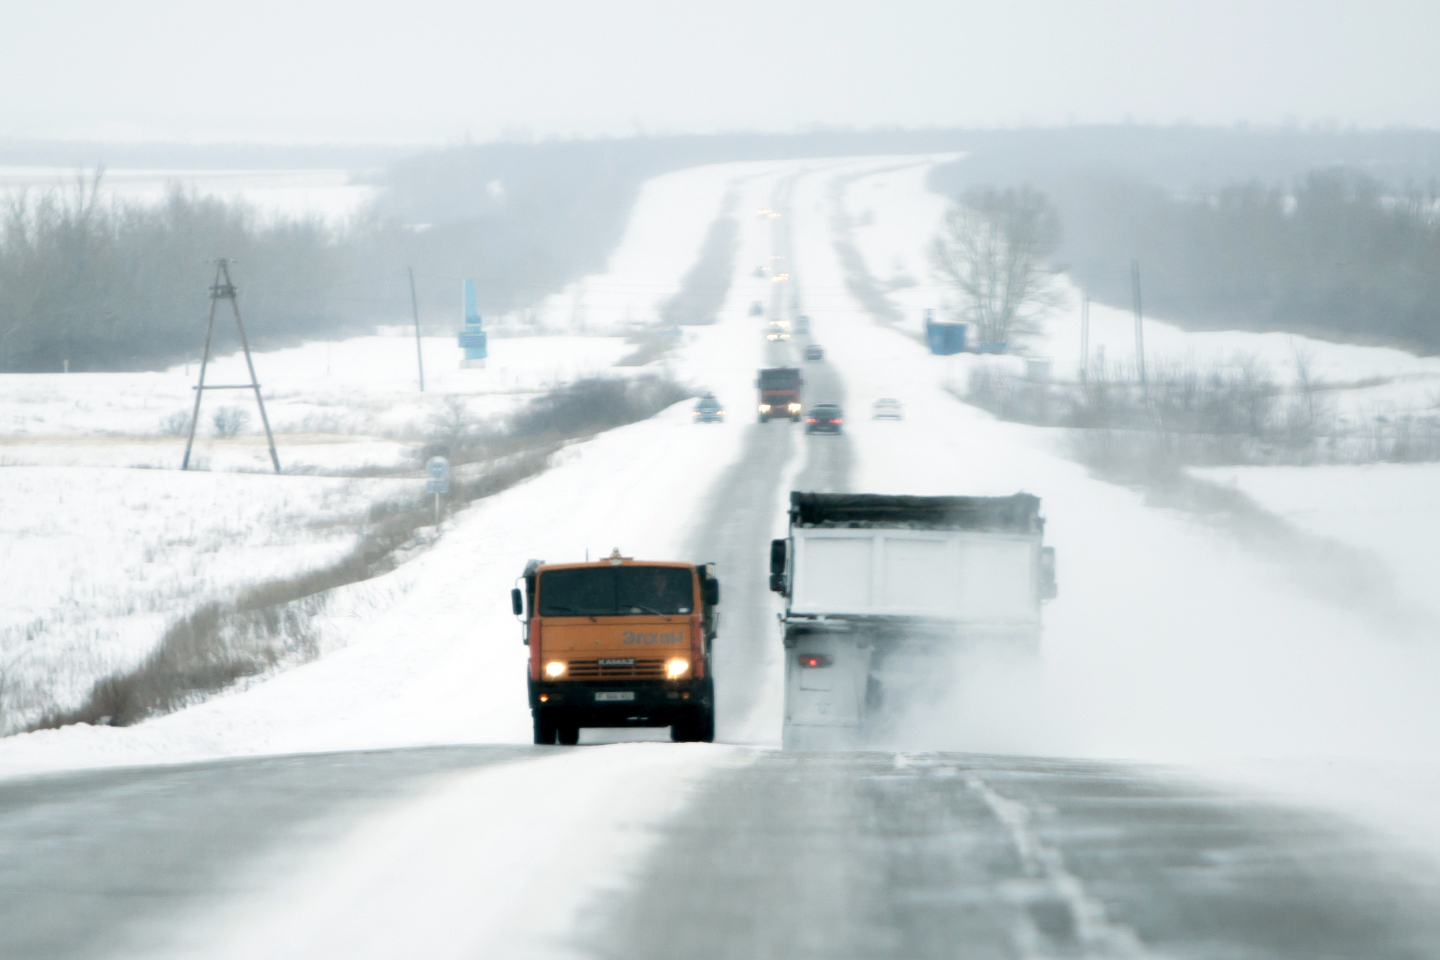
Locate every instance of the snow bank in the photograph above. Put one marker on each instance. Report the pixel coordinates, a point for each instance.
(496, 863)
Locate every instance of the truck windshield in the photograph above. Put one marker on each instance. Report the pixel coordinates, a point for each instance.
(616, 591)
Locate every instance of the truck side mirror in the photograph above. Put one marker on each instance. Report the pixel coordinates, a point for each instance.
(517, 605)
(711, 590)
(777, 567)
(1049, 589)
(777, 556)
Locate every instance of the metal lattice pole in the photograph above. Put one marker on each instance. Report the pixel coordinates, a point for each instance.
(204, 361)
(226, 291)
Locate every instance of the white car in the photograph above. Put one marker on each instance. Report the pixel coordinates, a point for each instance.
(887, 408)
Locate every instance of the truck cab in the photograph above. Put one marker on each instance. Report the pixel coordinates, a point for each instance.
(619, 643)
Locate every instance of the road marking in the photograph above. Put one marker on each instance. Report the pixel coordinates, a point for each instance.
(1059, 892)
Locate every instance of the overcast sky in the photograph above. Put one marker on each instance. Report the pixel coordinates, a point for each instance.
(428, 71)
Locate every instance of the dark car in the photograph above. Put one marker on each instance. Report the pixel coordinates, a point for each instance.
(709, 410)
(824, 418)
(802, 324)
(814, 352)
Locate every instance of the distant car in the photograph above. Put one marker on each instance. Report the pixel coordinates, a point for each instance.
(887, 408)
(708, 410)
(802, 324)
(814, 352)
(757, 309)
(777, 331)
(824, 418)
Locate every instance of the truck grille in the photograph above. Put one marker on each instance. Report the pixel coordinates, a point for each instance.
(592, 670)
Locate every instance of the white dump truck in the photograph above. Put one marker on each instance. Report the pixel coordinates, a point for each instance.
(883, 592)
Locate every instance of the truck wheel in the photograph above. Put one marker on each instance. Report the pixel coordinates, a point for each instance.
(544, 730)
(763, 418)
(569, 736)
(696, 727)
(795, 418)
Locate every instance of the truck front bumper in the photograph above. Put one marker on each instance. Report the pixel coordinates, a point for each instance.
(621, 703)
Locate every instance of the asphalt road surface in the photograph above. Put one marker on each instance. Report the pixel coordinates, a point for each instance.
(104, 862)
(930, 856)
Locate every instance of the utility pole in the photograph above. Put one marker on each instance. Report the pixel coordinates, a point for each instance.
(223, 289)
(1139, 322)
(1084, 335)
(415, 309)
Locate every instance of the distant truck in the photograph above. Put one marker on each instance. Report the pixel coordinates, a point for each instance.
(779, 392)
(882, 592)
(619, 643)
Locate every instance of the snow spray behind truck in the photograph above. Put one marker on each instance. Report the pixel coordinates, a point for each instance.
(620, 643)
(879, 588)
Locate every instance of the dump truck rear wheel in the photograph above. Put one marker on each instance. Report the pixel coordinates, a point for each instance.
(544, 730)
(569, 736)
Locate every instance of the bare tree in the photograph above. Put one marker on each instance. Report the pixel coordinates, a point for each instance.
(995, 247)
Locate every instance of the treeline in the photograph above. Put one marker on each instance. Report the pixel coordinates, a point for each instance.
(1334, 234)
(108, 286)
(97, 285)
(1334, 254)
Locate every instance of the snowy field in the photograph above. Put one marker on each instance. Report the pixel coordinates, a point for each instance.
(332, 195)
(1169, 642)
(112, 542)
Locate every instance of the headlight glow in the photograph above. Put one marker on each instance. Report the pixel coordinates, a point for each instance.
(794, 408)
(555, 668)
(674, 669)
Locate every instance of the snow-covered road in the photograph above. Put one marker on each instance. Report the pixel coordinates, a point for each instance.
(1168, 644)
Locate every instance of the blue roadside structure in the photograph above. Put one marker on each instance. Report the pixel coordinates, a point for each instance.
(943, 337)
(472, 338)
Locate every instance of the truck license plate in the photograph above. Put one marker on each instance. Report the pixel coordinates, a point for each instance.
(613, 696)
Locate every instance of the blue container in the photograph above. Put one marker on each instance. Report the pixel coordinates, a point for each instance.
(944, 338)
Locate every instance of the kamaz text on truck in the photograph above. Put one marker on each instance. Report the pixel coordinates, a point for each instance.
(882, 595)
(779, 392)
(620, 643)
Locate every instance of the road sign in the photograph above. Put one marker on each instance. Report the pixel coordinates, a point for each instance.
(437, 486)
(438, 467)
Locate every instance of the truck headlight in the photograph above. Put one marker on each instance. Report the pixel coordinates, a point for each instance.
(555, 669)
(794, 408)
(764, 408)
(677, 668)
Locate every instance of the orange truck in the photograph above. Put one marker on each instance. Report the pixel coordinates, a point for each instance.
(619, 643)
